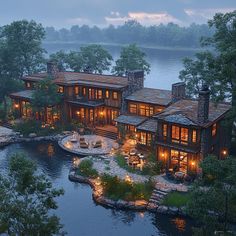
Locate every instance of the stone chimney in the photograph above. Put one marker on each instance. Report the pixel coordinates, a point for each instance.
(52, 69)
(203, 104)
(135, 81)
(178, 91)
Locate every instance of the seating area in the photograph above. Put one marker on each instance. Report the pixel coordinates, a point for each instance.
(179, 176)
(135, 159)
(87, 144)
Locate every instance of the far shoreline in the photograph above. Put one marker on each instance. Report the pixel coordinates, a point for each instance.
(167, 48)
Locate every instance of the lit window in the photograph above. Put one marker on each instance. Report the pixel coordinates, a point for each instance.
(151, 111)
(84, 91)
(149, 139)
(142, 110)
(76, 90)
(115, 95)
(28, 85)
(143, 138)
(194, 136)
(133, 108)
(214, 130)
(184, 135)
(107, 94)
(165, 130)
(60, 89)
(175, 133)
(99, 94)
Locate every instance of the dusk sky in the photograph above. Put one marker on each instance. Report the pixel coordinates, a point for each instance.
(65, 13)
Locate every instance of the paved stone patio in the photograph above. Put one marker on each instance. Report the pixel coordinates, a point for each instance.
(107, 164)
(74, 147)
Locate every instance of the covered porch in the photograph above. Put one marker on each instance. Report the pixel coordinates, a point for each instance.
(92, 113)
(179, 163)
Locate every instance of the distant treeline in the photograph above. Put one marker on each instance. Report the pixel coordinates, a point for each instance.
(170, 35)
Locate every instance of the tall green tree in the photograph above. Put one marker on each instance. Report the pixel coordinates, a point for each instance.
(27, 200)
(21, 41)
(92, 58)
(213, 198)
(20, 53)
(131, 58)
(45, 95)
(217, 69)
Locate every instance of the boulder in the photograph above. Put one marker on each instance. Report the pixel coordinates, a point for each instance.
(32, 135)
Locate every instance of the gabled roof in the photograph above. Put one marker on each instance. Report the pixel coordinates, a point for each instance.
(130, 119)
(72, 78)
(185, 112)
(152, 96)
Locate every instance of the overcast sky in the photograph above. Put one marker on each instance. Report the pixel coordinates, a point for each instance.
(65, 13)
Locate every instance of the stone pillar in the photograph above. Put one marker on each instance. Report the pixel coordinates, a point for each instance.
(178, 91)
(52, 69)
(203, 105)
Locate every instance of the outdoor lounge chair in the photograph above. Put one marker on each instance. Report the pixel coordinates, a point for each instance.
(83, 144)
(98, 144)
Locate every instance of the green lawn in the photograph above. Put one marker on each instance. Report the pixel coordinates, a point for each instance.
(176, 199)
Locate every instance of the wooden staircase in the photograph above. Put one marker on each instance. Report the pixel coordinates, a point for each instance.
(106, 133)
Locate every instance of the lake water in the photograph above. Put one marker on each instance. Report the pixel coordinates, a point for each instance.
(80, 215)
(165, 64)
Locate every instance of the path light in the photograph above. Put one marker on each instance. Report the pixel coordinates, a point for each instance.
(16, 105)
(224, 152)
(128, 179)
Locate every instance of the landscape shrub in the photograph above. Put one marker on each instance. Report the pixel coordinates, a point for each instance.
(85, 168)
(115, 188)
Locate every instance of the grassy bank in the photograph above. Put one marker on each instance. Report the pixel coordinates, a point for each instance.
(176, 199)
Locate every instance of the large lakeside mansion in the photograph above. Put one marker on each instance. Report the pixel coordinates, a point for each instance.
(181, 130)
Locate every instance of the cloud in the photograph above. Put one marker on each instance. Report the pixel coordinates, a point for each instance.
(143, 18)
(201, 15)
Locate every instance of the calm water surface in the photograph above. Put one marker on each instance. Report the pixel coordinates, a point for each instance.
(78, 212)
(165, 64)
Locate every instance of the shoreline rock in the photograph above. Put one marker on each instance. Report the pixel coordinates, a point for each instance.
(138, 205)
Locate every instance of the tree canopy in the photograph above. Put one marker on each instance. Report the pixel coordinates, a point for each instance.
(218, 68)
(131, 58)
(92, 59)
(213, 198)
(20, 53)
(26, 199)
(170, 35)
(45, 95)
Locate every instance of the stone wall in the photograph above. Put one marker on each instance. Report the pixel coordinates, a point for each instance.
(135, 83)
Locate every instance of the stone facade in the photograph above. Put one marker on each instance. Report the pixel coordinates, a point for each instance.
(52, 69)
(135, 82)
(203, 105)
(178, 91)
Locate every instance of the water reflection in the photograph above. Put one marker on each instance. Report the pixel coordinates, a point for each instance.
(78, 212)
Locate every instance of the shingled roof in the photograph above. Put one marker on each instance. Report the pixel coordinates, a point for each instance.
(185, 112)
(130, 119)
(149, 125)
(152, 96)
(72, 78)
(25, 94)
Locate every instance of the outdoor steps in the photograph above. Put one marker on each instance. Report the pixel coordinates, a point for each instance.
(157, 197)
(106, 133)
(6, 125)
